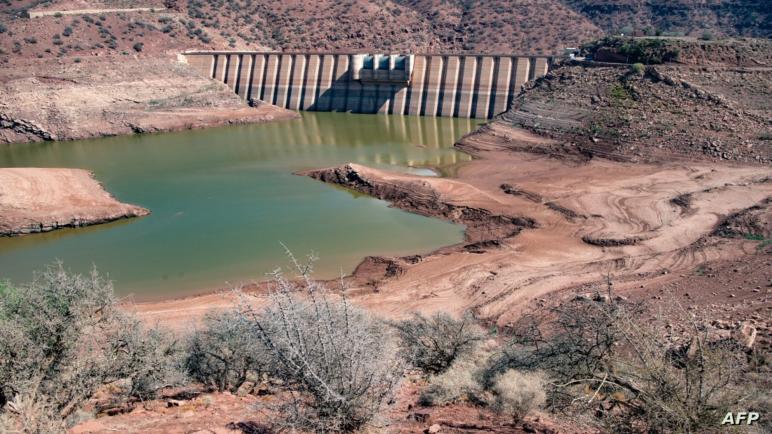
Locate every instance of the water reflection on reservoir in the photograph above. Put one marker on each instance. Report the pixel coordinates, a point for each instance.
(223, 199)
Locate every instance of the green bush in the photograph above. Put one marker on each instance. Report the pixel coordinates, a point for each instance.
(637, 68)
(648, 51)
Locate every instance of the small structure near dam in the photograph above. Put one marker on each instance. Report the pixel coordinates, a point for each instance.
(466, 86)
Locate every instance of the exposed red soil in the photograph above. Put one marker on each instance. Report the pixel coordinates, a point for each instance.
(201, 412)
(41, 200)
(684, 247)
(545, 215)
(626, 209)
(194, 410)
(546, 219)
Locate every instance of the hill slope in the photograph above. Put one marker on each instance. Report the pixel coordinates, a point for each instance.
(687, 17)
(491, 26)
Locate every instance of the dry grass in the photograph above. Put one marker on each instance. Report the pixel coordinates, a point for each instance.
(517, 393)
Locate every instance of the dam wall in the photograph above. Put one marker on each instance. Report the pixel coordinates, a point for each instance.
(465, 86)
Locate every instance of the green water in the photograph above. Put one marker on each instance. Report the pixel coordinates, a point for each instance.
(223, 199)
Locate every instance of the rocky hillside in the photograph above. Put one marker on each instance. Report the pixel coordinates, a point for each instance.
(635, 112)
(401, 25)
(492, 26)
(679, 17)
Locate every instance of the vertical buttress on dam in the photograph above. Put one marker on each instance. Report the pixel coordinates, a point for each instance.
(465, 86)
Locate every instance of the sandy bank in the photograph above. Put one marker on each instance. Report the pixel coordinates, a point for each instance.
(41, 200)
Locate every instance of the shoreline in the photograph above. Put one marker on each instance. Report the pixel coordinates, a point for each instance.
(535, 237)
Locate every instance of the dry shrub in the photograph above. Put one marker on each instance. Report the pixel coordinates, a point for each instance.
(61, 338)
(148, 357)
(225, 352)
(338, 360)
(622, 364)
(460, 381)
(433, 343)
(517, 393)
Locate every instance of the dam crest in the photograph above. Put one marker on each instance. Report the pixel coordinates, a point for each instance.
(464, 86)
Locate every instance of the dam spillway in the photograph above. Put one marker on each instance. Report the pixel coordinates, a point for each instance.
(464, 86)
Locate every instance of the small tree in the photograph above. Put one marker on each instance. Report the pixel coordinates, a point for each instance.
(433, 343)
(338, 360)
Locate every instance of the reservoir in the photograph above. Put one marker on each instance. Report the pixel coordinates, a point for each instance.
(224, 200)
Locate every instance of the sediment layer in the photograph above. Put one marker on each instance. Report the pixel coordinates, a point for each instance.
(589, 218)
(428, 197)
(105, 97)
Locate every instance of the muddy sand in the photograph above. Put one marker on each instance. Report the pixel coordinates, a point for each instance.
(536, 223)
(41, 200)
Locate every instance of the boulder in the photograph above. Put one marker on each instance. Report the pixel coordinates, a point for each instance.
(745, 334)
(245, 389)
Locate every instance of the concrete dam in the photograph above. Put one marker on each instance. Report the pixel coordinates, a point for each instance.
(465, 86)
